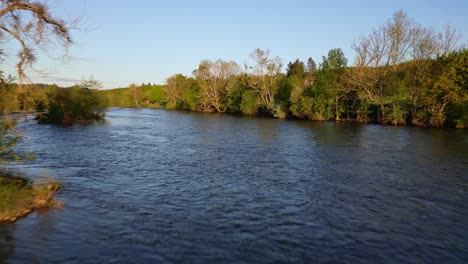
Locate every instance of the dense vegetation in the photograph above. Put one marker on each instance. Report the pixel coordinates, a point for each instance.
(18, 196)
(404, 74)
(76, 104)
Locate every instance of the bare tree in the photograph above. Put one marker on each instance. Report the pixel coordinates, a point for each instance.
(385, 50)
(448, 40)
(31, 24)
(265, 75)
(370, 67)
(398, 41)
(213, 78)
(424, 47)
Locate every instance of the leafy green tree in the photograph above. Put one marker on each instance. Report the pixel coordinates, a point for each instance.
(235, 89)
(295, 68)
(331, 78)
(450, 86)
(134, 93)
(155, 94)
(181, 92)
(73, 105)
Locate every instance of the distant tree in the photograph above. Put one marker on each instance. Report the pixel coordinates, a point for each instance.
(448, 40)
(295, 68)
(135, 94)
(311, 67)
(73, 105)
(155, 94)
(213, 78)
(450, 86)
(394, 62)
(264, 77)
(191, 96)
(332, 77)
(91, 83)
(174, 88)
(423, 48)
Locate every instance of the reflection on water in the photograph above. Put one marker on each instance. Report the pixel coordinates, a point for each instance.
(165, 186)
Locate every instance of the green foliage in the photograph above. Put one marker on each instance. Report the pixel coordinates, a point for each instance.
(311, 67)
(327, 93)
(14, 193)
(250, 103)
(72, 105)
(280, 111)
(153, 93)
(285, 87)
(18, 197)
(296, 68)
(236, 88)
(425, 92)
(7, 96)
(191, 96)
(303, 108)
(450, 87)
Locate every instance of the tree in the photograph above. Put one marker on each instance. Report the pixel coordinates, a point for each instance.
(91, 83)
(394, 63)
(331, 75)
(155, 94)
(450, 86)
(7, 92)
(311, 67)
(380, 53)
(295, 68)
(213, 78)
(173, 88)
(264, 77)
(423, 48)
(135, 94)
(448, 40)
(31, 24)
(73, 105)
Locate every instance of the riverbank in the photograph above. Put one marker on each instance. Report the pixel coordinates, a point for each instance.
(20, 197)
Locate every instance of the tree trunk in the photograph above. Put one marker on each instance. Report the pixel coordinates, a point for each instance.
(382, 116)
(337, 111)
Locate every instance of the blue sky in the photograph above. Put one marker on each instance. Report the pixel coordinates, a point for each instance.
(149, 40)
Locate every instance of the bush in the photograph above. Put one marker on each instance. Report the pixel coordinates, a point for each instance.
(73, 105)
(250, 103)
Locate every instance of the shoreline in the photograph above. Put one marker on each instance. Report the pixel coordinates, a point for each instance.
(289, 118)
(20, 196)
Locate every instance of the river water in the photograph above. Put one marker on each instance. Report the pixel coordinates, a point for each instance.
(152, 186)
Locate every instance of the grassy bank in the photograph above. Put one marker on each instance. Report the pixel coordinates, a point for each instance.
(19, 197)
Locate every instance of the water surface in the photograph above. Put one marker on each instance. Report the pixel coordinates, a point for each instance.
(151, 186)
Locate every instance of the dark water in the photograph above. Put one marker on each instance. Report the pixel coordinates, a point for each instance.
(153, 186)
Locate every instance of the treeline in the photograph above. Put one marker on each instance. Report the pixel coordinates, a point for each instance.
(404, 74)
(77, 104)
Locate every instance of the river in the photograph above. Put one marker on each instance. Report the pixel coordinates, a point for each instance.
(158, 186)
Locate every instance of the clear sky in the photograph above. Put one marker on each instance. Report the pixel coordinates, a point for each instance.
(150, 40)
